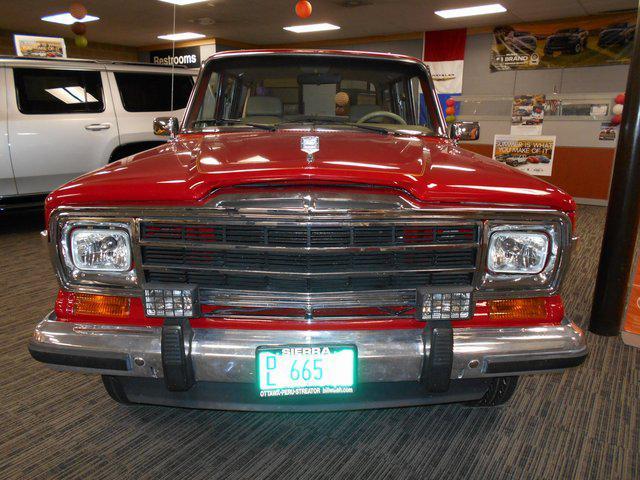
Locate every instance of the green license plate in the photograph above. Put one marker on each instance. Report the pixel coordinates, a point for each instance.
(291, 370)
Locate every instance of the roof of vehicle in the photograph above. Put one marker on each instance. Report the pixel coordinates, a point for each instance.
(104, 64)
(337, 53)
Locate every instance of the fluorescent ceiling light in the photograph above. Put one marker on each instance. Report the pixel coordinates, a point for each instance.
(181, 36)
(471, 11)
(314, 27)
(183, 2)
(68, 19)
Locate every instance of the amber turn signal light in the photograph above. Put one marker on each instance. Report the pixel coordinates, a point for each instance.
(101, 305)
(518, 309)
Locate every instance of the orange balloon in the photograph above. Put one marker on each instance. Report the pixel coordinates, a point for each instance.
(78, 10)
(304, 9)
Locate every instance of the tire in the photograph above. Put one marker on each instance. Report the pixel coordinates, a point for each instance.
(115, 389)
(500, 391)
(578, 48)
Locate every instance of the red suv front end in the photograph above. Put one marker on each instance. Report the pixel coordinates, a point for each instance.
(288, 256)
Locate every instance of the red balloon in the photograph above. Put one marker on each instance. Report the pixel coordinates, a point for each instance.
(450, 102)
(616, 119)
(77, 10)
(79, 28)
(620, 99)
(304, 9)
(450, 111)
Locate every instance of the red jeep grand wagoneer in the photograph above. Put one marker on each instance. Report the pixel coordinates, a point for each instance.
(311, 238)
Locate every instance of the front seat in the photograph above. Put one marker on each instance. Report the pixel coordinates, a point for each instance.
(263, 110)
(359, 111)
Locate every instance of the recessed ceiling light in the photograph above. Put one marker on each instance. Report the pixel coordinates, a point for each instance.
(183, 2)
(181, 36)
(68, 19)
(471, 11)
(314, 27)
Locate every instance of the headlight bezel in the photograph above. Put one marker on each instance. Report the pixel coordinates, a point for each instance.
(545, 282)
(75, 278)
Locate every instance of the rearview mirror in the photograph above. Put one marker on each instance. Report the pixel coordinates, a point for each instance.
(166, 126)
(465, 131)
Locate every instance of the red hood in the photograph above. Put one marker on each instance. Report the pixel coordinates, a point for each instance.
(185, 172)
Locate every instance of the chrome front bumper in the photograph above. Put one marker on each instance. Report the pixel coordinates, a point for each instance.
(383, 355)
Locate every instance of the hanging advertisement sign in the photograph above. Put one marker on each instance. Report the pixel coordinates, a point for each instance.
(601, 40)
(443, 52)
(36, 46)
(527, 153)
(527, 114)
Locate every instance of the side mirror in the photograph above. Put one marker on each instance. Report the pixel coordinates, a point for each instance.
(166, 126)
(465, 131)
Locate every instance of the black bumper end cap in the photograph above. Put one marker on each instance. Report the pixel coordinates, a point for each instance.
(537, 365)
(98, 360)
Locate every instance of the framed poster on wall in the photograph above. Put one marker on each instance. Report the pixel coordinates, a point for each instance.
(528, 153)
(37, 46)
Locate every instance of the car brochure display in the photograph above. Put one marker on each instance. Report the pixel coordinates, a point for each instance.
(527, 114)
(32, 46)
(601, 40)
(528, 153)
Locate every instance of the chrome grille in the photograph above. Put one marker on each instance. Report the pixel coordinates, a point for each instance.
(310, 235)
(338, 283)
(316, 259)
(303, 262)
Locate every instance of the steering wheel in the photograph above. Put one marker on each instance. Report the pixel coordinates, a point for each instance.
(382, 113)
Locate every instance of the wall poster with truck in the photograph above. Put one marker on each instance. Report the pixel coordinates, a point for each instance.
(529, 153)
(598, 40)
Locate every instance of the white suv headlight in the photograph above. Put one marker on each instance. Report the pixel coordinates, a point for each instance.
(101, 250)
(518, 252)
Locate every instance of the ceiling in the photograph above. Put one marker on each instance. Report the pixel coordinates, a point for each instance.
(260, 22)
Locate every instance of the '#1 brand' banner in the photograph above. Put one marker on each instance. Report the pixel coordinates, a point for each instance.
(603, 40)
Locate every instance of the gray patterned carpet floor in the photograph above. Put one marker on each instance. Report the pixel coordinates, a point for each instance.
(581, 424)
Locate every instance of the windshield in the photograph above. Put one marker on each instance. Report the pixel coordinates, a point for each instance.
(287, 90)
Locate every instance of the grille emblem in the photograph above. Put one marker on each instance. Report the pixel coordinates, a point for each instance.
(310, 145)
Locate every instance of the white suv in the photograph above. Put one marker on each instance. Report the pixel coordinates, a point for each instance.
(62, 118)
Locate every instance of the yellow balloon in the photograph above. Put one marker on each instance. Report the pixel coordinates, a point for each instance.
(81, 41)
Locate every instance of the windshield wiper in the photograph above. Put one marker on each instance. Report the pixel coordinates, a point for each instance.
(236, 121)
(372, 128)
(337, 121)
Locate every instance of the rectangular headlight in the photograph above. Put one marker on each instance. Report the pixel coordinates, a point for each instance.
(525, 257)
(518, 252)
(94, 253)
(105, 250)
